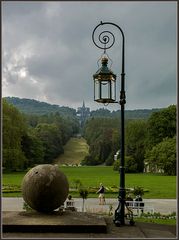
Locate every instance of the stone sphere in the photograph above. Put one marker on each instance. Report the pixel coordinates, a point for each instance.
(45, 188)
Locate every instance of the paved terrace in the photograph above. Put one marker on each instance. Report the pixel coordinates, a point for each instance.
(138, 231)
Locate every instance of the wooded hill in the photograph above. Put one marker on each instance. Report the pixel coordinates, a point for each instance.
(31, 106)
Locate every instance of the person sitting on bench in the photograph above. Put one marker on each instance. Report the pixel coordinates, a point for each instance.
(139, 205)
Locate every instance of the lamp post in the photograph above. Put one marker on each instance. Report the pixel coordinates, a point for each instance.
(104, 77)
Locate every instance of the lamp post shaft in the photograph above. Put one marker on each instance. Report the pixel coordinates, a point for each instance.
(122, 157)
(119, 218)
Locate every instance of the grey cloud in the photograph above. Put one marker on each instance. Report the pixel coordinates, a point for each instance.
(53, 41)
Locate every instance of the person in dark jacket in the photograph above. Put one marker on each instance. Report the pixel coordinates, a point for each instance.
(101, 194)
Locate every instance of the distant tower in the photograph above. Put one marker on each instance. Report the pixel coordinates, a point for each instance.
(83, 113)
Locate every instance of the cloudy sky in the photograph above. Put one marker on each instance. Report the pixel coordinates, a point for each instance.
(48, 53)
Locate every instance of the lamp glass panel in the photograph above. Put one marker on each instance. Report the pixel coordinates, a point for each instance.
(105, 89)
(96, 89)
(113, 89)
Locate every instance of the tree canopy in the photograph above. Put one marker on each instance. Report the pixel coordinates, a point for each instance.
(152, 140)
(33, 139)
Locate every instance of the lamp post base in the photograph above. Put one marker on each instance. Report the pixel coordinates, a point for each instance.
(119, 216)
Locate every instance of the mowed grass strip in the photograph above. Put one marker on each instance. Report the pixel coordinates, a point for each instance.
(74, 152)
(159, 186)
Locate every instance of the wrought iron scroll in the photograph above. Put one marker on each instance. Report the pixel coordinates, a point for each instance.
(105, 39)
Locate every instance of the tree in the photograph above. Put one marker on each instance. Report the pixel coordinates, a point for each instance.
(161, 124)
(33, 149)
(102, 135)
(50, 136)
(83, 194)
(136, 132)
(130, 165)
(14, 127)
(138, 191)
(163, 156)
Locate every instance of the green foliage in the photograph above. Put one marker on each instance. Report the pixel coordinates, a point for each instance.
(163, 156)
(138, 191)
(32, 139)
(135, 144)
(130, 165)
(102, 135)
(77, 183)
(161, 124)
(14, 127)
(50, 136)
(31, 106)
(129, 114)
(32, 146)
(116, 165)
(159, 215)
(83, 192)
(29, 140)
(11, 188)
(26, 207)
(157, 218)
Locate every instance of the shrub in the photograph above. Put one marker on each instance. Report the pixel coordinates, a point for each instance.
(138, 191)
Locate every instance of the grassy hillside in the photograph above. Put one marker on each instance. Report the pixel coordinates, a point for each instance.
(74, 152)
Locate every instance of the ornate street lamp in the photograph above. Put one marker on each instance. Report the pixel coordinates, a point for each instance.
(105, 78)
(104, 84)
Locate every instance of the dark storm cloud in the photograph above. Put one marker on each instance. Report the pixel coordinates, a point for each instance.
(49, 54)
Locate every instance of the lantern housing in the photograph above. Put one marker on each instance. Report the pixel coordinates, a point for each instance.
(104, 84)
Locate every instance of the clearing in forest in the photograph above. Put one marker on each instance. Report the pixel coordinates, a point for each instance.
(74, 152)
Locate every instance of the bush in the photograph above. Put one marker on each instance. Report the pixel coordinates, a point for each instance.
(116, 165)
(130, 165)
(138, 191)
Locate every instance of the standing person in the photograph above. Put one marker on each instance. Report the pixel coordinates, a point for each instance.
(101, 194)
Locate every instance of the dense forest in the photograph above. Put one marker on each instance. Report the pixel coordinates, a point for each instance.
(34, 139)
(30, 138)
(151, 141)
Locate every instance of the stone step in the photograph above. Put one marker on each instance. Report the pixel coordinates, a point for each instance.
(64, 222)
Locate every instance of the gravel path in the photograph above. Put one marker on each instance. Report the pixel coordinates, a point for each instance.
(164, 206)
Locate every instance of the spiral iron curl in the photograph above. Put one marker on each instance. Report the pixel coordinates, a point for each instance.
(106, 38)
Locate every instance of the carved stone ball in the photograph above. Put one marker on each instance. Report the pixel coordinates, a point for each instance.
(45, 188)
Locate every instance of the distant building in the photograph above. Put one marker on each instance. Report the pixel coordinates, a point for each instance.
(152, 168)
(83, 113)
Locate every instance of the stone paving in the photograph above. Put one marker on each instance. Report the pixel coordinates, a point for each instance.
(138, 231)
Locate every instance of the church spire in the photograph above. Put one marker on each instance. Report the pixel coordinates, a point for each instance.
(83, 104)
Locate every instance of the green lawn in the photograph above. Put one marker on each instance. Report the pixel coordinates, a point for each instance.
(159, 186)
